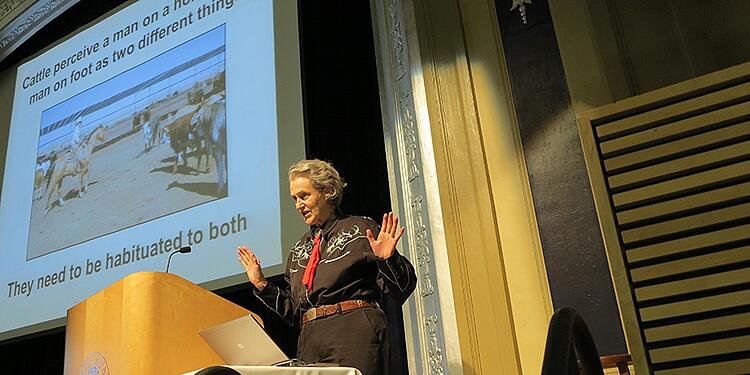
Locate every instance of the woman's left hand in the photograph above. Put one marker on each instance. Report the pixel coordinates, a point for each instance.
(388, 237)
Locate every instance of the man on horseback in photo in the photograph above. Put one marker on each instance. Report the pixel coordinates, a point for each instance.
(75, 140)
(75, 133)
(75, 166)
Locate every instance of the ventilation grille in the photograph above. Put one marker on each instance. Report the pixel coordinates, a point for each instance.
(673, 171)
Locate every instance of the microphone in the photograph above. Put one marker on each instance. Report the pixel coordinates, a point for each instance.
(183, 250)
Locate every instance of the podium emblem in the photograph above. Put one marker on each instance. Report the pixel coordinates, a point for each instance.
(95, 364)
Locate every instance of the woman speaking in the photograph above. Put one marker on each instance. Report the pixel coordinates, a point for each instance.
(336, 275)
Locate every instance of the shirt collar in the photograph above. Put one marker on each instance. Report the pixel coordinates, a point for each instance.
(327, 225)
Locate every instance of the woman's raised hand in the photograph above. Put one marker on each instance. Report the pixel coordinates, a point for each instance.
(252, 267)
(388, 237)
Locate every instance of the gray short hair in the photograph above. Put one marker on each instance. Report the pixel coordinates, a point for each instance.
(323, 176)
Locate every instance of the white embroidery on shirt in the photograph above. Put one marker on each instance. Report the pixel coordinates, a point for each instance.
(340, 241)
(337, 258)
(301, 252)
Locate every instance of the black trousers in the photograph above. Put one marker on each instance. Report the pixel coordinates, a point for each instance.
(356, 338)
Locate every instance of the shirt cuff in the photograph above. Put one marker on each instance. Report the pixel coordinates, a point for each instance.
(268, 291)
(389, 264)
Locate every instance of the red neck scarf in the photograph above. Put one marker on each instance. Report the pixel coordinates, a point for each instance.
(312, 264)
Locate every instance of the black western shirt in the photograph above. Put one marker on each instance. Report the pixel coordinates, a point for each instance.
(348, 269)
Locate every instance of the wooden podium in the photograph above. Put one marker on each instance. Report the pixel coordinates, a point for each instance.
(146, 323)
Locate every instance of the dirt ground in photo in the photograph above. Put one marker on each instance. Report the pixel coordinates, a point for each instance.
(127, 187)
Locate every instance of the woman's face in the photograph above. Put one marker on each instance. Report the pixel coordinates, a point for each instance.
(310, 202)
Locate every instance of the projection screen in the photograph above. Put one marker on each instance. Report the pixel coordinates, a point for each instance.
(162, 125)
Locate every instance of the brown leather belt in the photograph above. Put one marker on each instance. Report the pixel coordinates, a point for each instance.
(326, 310)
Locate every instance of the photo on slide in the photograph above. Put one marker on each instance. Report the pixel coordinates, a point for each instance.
(144, 144)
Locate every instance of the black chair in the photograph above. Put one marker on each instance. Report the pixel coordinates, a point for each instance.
(570, 350)
(218, 370)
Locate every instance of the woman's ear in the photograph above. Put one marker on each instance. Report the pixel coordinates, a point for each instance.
(329, 192)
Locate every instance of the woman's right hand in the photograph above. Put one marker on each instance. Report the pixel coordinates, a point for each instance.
(252, 267)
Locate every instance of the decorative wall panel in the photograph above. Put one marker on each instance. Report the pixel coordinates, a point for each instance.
(18, 24)
(404, 148)
(670, 172)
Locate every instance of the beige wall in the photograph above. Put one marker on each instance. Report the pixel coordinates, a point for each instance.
(614, 49)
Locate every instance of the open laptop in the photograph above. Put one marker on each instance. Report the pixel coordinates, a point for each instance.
(243, 342)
